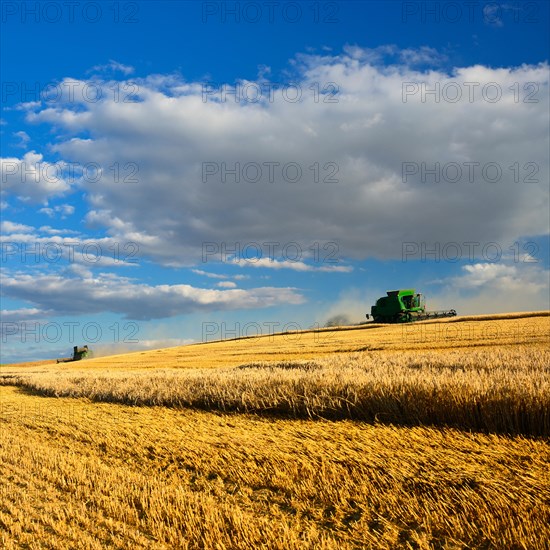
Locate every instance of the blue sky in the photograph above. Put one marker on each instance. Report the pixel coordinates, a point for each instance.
(172, 174)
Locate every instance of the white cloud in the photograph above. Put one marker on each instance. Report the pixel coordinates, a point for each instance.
(226, 284)
(55, 231)
(509, 278)
(114, 66)
(495, 288)
(110, 293)
(22, 315)
(14, 227)
(31, 178)
(422, 56)
(293, 265)
(28, 105)
(219, 275)
(24, 139)
(80, 270)
(366, 134)
(63, 209)
(48, 246)
(210, 275)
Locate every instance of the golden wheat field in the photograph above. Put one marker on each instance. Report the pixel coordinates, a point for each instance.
(431, 435)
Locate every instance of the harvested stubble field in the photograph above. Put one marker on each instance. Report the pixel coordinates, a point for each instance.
(426, 436)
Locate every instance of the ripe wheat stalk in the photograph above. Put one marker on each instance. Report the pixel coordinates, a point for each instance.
(502, 391)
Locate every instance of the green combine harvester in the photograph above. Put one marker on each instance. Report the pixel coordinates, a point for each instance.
(78, 355)
(404, 306)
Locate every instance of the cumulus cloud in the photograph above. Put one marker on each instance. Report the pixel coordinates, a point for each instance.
(349, 134)
(110, 293)
(31, 178)
(495, 288)
(509, 278)
(63, 209)
(14, 227)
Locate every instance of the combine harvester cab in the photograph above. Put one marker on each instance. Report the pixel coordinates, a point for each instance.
(404, 306)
